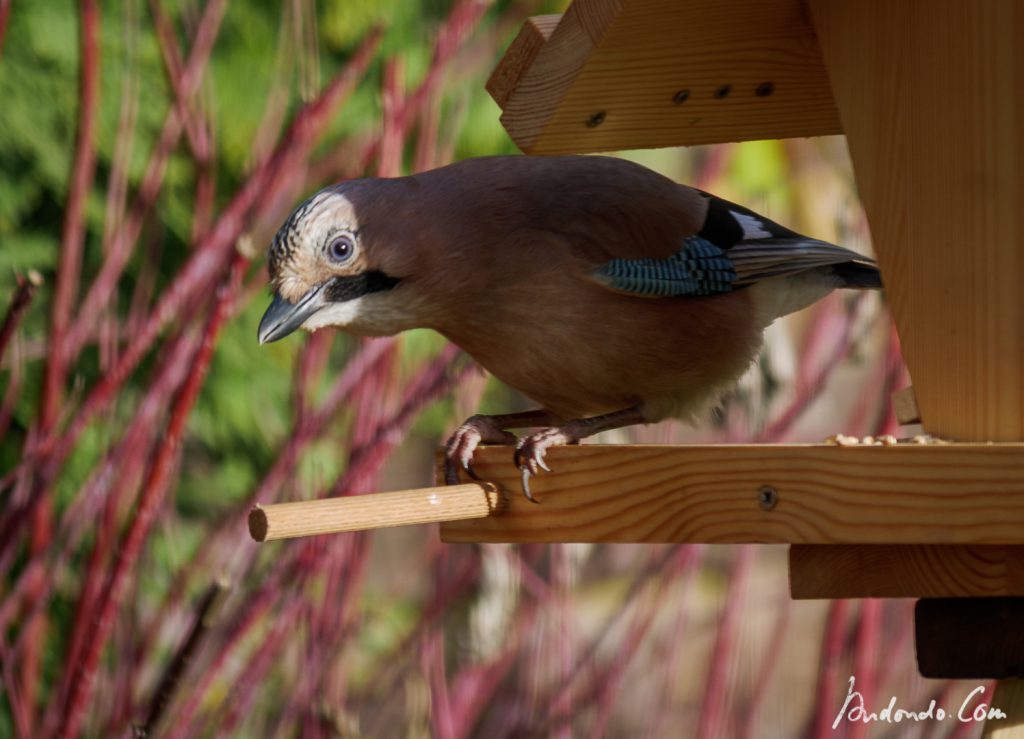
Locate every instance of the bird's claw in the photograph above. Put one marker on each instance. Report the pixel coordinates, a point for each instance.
(531, 450)
(529, 455)
(468, 467)
(526, 485)
(467, 437)
(451, 471)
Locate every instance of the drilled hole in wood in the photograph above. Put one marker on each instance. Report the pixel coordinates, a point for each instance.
(596, 120)
(681, 97)
(765, 89)
(767, 497)
(723, 92)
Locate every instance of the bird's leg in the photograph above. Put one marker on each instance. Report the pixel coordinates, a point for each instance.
(530, 450)
(485, 430)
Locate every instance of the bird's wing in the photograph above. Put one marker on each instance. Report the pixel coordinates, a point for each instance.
(754, 261)
(735, 247)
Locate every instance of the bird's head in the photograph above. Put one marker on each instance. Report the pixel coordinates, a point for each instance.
(335, 262)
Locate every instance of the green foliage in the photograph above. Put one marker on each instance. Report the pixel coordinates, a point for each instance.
(758, 173)
(39, 87)
(241, 71)
(246, 396)
(758, 166)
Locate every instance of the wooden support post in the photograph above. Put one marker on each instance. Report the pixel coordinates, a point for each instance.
(931, 97)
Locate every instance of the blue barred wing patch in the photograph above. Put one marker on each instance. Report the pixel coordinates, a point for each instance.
(699, 268)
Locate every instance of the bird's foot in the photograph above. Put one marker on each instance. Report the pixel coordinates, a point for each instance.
(459, 449)
(531, 450)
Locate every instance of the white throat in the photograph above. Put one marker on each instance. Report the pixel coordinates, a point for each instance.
(341, 315)
(376, 314)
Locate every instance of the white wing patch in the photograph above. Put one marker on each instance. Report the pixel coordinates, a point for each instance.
(752, 228)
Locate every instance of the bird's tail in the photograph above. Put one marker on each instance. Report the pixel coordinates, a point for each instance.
(858, 275)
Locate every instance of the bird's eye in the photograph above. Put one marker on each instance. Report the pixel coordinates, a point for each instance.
(341, 248)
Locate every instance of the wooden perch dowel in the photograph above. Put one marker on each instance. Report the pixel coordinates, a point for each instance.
(381, 510)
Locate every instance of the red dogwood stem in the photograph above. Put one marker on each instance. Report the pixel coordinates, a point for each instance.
(153, 492)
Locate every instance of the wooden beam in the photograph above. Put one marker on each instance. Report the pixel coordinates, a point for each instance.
(519, 56)
(904, 571)
(804, 494)
(625, 74)
(970, 638)
(931, 96)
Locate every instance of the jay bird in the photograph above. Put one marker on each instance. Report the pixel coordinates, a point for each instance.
(605, 292)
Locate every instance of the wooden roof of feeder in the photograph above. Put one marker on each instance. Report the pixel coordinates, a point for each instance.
(621, 75)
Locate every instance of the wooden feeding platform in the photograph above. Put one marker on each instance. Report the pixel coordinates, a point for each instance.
(930, 96)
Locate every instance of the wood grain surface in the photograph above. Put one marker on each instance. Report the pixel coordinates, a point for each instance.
(905, 494)
(931, 95)
(904, 571)
(668, 73)
(375, 511)
(519, 56)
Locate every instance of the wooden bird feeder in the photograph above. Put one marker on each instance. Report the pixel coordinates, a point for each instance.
(930, 96)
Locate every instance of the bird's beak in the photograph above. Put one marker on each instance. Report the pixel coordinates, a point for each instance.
(282, 317)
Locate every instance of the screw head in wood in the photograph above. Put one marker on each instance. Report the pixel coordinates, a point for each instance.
(765, 89)
(596, 119)
(767, 497)
(681, 97)
(723, 92)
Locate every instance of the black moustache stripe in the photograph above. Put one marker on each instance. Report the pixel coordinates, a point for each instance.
(351, 287)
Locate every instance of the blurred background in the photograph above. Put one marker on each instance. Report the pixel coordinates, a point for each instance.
(148, 152)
